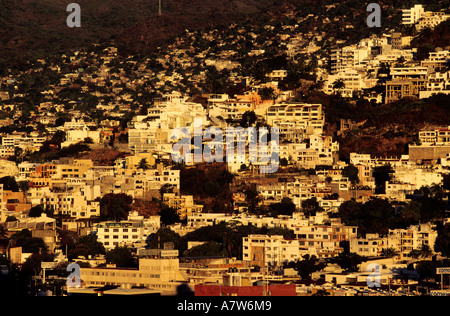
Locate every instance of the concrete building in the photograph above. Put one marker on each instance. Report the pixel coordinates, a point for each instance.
(161, 273)
(406, 82)
(265, 251)
(431, 20)
(124, 233)
(309, 117)
(412, 15)
(184, 204)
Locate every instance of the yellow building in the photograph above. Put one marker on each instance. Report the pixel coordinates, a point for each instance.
(131, 164)
(184, 204)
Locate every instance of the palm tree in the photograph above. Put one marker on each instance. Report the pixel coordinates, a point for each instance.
(143, 164)
(267, 93)
(24, 186)
(425, 251)
(389, 252)
(3, 231)
(339, 84)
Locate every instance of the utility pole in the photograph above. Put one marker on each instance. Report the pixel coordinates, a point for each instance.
(159, 11)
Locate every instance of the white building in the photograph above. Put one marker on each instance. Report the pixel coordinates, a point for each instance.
(352, 80)
(125, 233)
(264, 251)
(152, 132)
(417, 176)
(402, 241)
(74, 136)
(412, 15)
(438, 82)
(308, 117)
(431, 20)
(73, 204)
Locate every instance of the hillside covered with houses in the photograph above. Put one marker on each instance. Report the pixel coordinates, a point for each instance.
(87, 170)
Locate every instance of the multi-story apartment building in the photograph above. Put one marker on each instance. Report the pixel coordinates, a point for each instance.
(161, 272)
(125, 233)
(146, 139)
(413, 238)
(431, 20)
(438, 137)
(149, 133)
(406, 82)
(231, 108)
(413, 15)
(184, 204)
(397, 190)
(372, 245)
(436, 61)
(347, 57)
(351, 78)
(298, 190)
(74, 136)
(31, 143)
(277, 75)
(73, 204)
(323, 240)
(417, 175)
(264, 251)
(402, 241)
(7, 151)
(309, 117)
(438, 82)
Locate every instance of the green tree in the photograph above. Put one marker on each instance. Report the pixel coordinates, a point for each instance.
(165, 234)
(36, 211)
(121, 257)
(351, 172)
(143, 164)
(310, 207)
(307, 266)
(285, 207)
(442, 244)
(381, 175)
(338, 85)
(389, 252)
(3, 232)
(29, 243)
(9, 183)
(85, 246)
(248, 119)
(208, 249)
(267, 93)
(431, 208)
(252, 198)
(349, 262)
(169, 215)
(115, 206)
(424, 252)
(410, 214)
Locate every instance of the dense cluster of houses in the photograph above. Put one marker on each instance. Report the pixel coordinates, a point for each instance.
(71, 189)
(389, 60)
